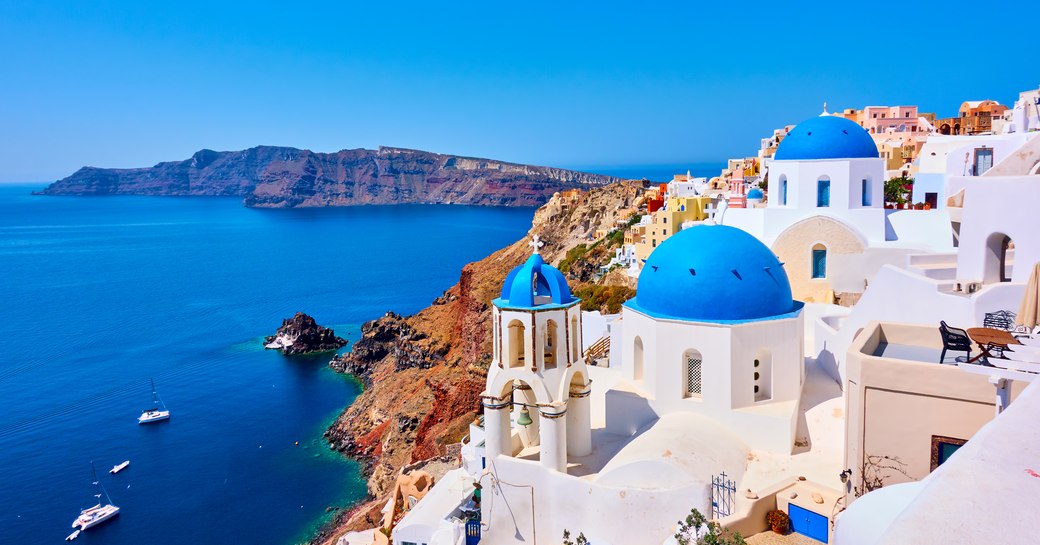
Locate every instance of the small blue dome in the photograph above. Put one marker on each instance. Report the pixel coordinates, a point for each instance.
(535, 284)
(713, 273)
(755, 193)
(826, 137)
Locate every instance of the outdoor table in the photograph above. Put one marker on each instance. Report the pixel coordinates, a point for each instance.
(988, 338)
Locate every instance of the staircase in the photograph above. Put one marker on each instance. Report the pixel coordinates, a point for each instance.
(599, 350)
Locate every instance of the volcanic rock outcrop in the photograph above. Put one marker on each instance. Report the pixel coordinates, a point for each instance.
(302, 335)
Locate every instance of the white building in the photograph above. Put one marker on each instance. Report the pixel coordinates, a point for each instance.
(995, 220)
(713, 330)
(1024, 116)
(687, 187)
(825, 216)
(943, 158)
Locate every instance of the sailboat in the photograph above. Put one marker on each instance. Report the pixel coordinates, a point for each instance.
(92, 516)
(154, 414)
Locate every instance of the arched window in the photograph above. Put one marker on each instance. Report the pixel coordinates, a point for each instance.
(693, 367)
(819, 261)
(637, 360)
(515, 343)
(783, 190)
(866, 192)
(549, 344)
(823, 192)
(763, 375)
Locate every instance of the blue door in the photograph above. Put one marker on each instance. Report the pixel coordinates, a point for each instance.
(472, 532)
(807, 523)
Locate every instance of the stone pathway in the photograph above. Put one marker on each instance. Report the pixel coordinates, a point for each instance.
(772, 538)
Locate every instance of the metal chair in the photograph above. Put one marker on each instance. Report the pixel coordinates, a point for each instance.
(955, 339)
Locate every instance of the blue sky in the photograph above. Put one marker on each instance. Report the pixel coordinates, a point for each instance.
(122, 84)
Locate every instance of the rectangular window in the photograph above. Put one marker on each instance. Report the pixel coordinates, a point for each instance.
(932, 199)
(693, 376)
(944, 447)
(866, 192)
(819, 263)
(823, 193)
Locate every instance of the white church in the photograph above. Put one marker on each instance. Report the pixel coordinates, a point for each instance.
(710, 380)
(825, 215)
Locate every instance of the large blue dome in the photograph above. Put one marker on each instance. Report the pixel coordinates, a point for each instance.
(713, 273)
(534, 284)
(826, 137)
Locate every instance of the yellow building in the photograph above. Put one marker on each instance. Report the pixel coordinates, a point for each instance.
(669, 219)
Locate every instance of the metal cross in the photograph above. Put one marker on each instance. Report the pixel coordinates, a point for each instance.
(536, 243)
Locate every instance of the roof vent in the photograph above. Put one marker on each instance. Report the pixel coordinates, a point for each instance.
(693, 272)
(737, 274)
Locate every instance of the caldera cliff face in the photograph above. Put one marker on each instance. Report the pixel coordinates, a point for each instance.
(281, 177)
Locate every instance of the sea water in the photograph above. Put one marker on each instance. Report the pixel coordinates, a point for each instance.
(100, 294)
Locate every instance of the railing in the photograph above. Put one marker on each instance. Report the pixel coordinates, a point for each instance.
(599, 349)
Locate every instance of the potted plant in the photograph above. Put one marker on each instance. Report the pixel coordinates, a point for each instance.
(927, 206)
(919, 206)
(778, 521)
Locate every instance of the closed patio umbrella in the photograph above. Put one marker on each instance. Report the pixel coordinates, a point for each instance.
(1030, 309)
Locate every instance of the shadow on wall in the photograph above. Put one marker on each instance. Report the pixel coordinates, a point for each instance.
(628, 413)
(890, 232)
(825, 362)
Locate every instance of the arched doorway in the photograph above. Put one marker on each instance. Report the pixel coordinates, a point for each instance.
(1000, 258)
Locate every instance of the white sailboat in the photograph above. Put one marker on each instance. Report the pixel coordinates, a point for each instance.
(154, 414)
(92, 516)
(119, 467)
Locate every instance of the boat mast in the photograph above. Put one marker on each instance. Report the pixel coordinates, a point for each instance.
(93, 473)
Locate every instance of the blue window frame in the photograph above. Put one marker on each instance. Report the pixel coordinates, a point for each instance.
(783, 190)
(819, 263)
(866, 192)
(823, 192)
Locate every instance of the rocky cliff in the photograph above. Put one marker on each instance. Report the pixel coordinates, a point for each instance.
(279, 177)
(423, 373)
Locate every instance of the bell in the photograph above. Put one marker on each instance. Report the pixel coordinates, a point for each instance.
(525, 418)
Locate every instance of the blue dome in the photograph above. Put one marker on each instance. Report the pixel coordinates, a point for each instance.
(826, 137)
(755, 193)
(713, 273)
(535, 284)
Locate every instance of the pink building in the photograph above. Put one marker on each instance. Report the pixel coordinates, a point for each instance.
(881, 119)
